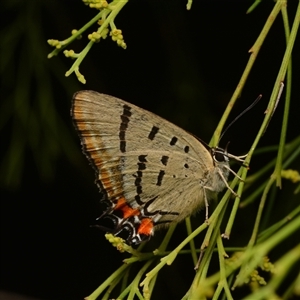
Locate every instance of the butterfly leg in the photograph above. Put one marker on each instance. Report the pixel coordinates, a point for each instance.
(227, 185)
(206, 205)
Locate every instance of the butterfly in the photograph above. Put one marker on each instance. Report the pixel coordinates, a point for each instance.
(150, 172)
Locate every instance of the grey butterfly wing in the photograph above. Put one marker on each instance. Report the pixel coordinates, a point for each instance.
(153, 166)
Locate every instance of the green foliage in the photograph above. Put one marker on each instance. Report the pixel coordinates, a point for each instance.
(105, 19)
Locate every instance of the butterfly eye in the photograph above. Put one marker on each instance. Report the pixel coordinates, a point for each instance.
(220, 157)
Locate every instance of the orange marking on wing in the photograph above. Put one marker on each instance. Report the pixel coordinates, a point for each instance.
(109, 176)
(80, 125)
(105, 178)
(146, 226)
(129, 212)
(77, 113)
(121, 202)
(126, 209)
(97, 161)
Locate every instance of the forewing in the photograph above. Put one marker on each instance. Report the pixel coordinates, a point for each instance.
(138, 156)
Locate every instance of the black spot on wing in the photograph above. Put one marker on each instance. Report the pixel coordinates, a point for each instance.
(173, 140)
(142, 162)
(164, 160)
(153, 132)
(138, 200)
(145, 209)
(125, 118)
(142, 158)
(138, 178)
(139, 189)
(142, 166)
(160, 177)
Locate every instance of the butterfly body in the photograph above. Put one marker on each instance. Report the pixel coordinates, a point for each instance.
(149, 171)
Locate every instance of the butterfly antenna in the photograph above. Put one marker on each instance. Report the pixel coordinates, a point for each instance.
(240, 115)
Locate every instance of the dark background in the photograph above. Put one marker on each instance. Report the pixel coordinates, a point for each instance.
(182, 65)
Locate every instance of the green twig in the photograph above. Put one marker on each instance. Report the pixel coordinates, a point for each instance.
(192, 243)
(254, 52)
(287, 63)
(107, 282)
(106, 15)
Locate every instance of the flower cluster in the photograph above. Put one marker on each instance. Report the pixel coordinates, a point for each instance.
(98, 4)
(117, 36)
(105, 19)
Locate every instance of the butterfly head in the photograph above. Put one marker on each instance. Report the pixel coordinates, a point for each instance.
(219, 155)
(221, 159)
